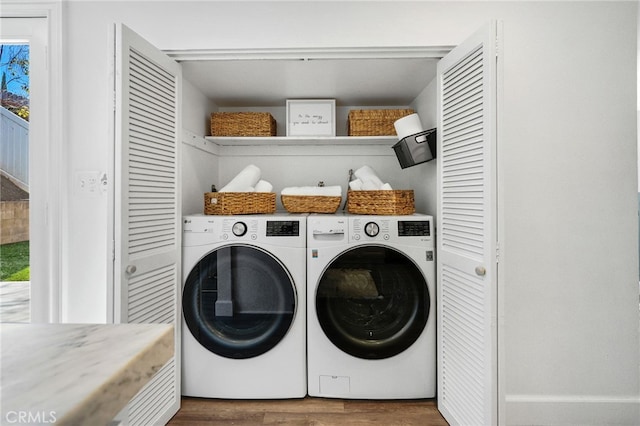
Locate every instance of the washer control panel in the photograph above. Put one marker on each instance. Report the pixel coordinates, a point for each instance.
(233, 228)
(370, 229)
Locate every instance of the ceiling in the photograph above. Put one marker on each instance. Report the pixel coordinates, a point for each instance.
(270, 82)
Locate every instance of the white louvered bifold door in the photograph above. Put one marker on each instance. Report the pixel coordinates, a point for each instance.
(467, 338)
(147, 209)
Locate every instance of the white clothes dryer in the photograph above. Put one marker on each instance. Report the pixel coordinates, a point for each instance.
(371, 331)
(243, 305)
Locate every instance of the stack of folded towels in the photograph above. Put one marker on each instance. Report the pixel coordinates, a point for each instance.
(367, 180)
(327, 191)
(248, 180)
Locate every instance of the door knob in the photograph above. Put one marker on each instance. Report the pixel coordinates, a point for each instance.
(131, 269)
(481, 271)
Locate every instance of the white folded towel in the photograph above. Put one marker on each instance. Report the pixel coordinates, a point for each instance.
(247, 178)
(367, 180)
(264, 186)
(366, 175)
(355, 185)
(330, 191)
(369, 185)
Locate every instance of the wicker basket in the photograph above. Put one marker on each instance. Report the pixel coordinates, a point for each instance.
(375, 122)
(310, 203)
(242, 124)
(228, 203)
(394, 202)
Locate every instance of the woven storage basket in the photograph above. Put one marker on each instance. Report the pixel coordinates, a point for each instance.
(394, 202)
(310, 203)
(227, 203)
(242, 124)
(375, 122)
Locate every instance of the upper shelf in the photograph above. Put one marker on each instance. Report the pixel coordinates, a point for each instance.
(268, 77)
(303, 141)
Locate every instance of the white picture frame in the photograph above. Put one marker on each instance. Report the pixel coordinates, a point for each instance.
(311, 117)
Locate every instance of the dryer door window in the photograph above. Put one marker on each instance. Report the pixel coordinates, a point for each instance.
(372, 302)
(239, 302)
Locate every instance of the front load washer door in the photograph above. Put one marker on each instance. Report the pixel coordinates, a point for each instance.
(239, 301)
(372, 302)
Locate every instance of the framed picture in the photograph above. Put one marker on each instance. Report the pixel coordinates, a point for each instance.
(311, 117)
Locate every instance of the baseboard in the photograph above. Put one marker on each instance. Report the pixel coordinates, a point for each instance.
(571, 410)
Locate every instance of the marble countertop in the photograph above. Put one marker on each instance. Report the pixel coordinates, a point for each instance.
(77, 373)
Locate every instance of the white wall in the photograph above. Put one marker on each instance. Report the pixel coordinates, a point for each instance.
(426, 106)
(568, 185)
(200, 167)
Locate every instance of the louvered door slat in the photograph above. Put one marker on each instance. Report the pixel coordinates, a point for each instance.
(143, 152)
(148, 253)
(147, 133)
(147, 98)
(145, 173)
(151, 143)
(466, 243)
(143, 410)
(461, 108)
(459, 161)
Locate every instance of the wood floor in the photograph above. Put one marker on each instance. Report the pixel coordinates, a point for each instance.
(307, 411)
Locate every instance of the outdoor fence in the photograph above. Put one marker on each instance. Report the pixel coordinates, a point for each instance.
(14, 162)
(14, 147)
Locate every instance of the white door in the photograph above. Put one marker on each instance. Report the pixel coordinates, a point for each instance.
(147, 208)
(467, 240)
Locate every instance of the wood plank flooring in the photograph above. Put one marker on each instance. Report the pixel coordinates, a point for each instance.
(307, 411)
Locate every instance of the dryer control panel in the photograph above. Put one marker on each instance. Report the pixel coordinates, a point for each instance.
(283, 228)
(414, 228)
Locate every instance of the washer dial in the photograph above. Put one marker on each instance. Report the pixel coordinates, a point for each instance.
(239, 229)
(371, 229)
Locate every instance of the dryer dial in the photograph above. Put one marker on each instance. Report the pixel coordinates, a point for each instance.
(239, 229)
(371, 229)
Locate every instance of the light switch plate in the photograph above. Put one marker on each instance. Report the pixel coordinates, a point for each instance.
(87, 183)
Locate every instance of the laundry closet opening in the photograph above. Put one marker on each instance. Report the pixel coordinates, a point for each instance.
(263, 80)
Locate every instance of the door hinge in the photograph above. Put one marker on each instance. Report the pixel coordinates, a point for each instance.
(497, 253)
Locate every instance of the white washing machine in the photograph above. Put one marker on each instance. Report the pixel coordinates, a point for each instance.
(371, 331)
(243, 305)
